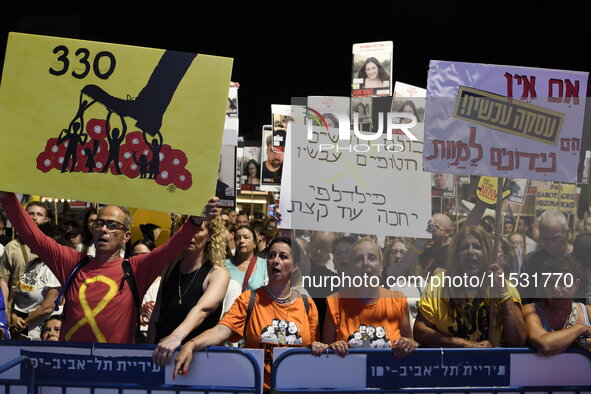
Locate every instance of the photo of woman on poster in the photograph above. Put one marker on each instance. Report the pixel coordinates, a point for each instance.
(331, 120)
(250, 171)
(253, 172)
(372, 69)
(362, 106)
(361, 111)
(373, 73)
(409, 107)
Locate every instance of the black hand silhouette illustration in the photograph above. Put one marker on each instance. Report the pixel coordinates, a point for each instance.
(151, 103)
(74, 135)
(150, 157)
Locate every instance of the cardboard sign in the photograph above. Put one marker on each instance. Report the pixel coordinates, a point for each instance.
(110, 123)
(356, 186)
(372, 69)
(487, 189)
(504, 121)
(558, 196)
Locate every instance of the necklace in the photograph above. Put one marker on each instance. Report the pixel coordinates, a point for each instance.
(278, 300)
(190, 283)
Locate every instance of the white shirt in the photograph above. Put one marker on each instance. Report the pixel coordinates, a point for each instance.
(36, 281)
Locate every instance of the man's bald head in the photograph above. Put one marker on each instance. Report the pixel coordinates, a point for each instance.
(126, 214)
(553, 228)
(320, 246)
(443, 220)
(323, 236)
(443, 229)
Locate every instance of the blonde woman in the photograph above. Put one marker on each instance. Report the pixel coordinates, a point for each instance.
(458, 316)
(191, 292)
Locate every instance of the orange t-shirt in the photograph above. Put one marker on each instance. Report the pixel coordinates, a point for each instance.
(374, 325)
(272, 324)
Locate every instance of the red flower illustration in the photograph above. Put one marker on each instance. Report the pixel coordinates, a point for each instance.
(58, 161)
(130, 169)
(166, 155)
(114, 170)
(81, 163)
(166, 176)
(102, 150)
(97, 129)
(125, 154)
(52, 147)
(44, 161)
(146, 152)
(135, 141)
(183, 180)
(99, 163)
(179, 159)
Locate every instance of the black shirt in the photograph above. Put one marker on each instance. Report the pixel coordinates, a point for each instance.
(172, 313)
(272, 176)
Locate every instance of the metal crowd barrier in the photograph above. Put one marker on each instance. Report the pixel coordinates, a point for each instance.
(499, 370)
(57, 367)
(21, 360)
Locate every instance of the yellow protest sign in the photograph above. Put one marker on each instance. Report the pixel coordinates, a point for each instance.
(558, 196)
(110, 123)
(487, 189)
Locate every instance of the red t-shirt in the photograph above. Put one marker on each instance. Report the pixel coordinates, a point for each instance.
(96, 310)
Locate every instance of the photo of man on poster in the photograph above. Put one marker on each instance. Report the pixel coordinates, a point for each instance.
(273, 165)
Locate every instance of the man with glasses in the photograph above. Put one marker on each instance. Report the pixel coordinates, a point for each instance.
(435, 253)
(553, 228)
(100, 306)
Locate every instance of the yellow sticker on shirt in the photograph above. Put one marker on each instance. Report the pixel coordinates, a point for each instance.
(25, 287)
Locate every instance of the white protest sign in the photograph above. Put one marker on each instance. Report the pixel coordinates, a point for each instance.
(357, 185)
(504, 121)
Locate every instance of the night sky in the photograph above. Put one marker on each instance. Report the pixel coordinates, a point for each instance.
(303, 49)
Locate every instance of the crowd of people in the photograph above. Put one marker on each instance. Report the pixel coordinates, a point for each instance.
(227, 278)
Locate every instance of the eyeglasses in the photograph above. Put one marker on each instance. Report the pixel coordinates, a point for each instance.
(112, 225)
